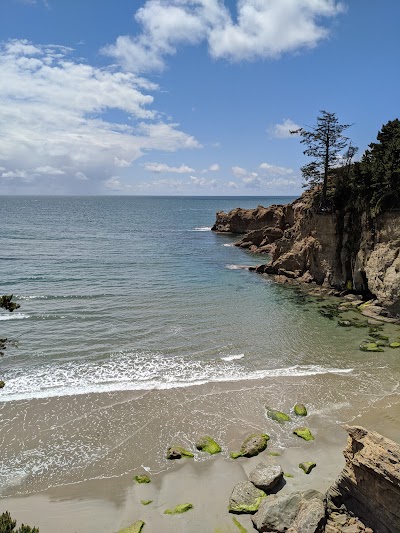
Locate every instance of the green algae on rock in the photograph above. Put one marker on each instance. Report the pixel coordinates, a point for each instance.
(179, 509)
(304, 433)
(176, 452)
(245, 498)
(142, 479)
(274, 454)
(134, 528)
(287, 474)
(307, 466)
(300, 409)
(278, 416)
(146, 502)
(394, 345)
(371, 347)
(241, 528)
(208, 445)
(252, 445)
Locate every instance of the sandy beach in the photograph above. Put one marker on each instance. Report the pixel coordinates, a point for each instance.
(110, 500)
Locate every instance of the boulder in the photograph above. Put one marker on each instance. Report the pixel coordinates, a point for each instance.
(252, 445)
(179, 509)
(266, 475)
(302, 511)
(304, 433)
(208, 445)
(307, 466)
(134, 528)
(369, 485)
(300, 409)
(176, 452)
(278, 416)
(245, 498)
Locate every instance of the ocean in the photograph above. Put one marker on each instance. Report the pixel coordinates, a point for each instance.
(125, 296)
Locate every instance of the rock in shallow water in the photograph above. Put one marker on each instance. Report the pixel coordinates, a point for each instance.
(300, 409)
(307, 466)
(304, 433)
(176, 452)
(252, 445)
(245, 498)
(208, 445)
(266, 475)
(278, 416)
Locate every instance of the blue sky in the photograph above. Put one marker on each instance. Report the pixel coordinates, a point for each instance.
(185, 97)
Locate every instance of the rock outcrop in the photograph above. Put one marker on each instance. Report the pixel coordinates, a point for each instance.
(369, 485)
(341, 249)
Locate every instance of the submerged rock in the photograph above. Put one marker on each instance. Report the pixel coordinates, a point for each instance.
(146, 502)
(179, 509)
(252, 445)
(307, 466)
(266, 475)
(278, 416)
(394, 345)
(134, 528)
(300, 409)
(245, 498)
(304, 433)
(371, 347)
(176, 452)
(305, 512)
(208, 445)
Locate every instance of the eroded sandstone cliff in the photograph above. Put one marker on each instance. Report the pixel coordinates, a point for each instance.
(342, 249)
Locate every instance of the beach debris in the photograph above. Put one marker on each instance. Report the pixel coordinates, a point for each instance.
(245, 498)
(300, 409)
(241, 528)
(266, 475)
(287, 474)
(136, 527)
(301, 511)
(146, 502)
(179, 509)
(252, 445)
(176, 452)
(307, 466)
(208, 445)
(304, 433)
(278, 416)
(142, 479)
(394, 345)
(371, 347)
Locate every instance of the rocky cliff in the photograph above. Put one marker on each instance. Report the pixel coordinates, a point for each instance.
(369, 485)
(341, 249)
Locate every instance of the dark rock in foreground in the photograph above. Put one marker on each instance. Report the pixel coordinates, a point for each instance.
(369, 485)
(266, 475)
(245, 498)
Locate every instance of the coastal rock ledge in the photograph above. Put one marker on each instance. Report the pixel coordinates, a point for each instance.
(342, 249)
(369, 485)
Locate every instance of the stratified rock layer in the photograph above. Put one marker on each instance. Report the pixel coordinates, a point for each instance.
(369, 485)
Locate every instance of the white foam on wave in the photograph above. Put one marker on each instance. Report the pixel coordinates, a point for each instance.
(228, 245)
(236, 267)
(232, 357)
(202, 228)
(13, 316)
(136, 371)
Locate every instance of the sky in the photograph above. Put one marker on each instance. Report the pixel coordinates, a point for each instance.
(185, 97)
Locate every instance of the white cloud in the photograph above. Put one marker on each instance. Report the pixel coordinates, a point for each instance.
(258, 29)
(81, 176)
(239, 172)
(203, 182)
(158, 168)
(57, 108)
(275, 170)
(214, 168)
(232, 185)
(282, 130)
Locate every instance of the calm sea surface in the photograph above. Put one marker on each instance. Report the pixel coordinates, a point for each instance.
(136, 293)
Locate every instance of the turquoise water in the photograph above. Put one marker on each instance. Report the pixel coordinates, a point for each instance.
(137, 294)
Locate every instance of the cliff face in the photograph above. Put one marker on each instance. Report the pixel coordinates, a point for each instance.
(337, 249)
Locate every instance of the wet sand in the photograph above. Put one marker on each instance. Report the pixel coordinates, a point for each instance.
(108, 438)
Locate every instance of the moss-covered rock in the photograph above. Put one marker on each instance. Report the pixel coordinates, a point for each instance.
(134, 528)
(245, 498)
(307, 466)
(208, 445)
(287, 474)
(394, 344)
(142, 479)
(146, 502)
(2, 384)
(179, 509)
(300, 409)
(345, 323)
(371, 347)
(274, 454)
(304, 433)
(278, 416)
(176, 452)
(241, 528)
(252, 445)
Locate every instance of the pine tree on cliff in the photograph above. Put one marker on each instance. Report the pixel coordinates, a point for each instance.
(324, 143)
